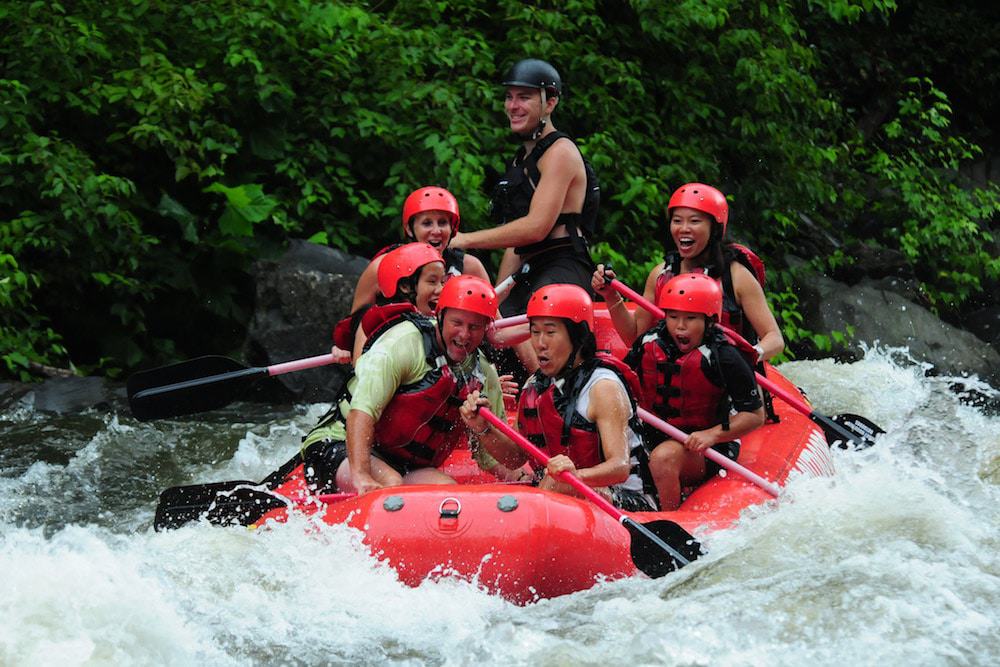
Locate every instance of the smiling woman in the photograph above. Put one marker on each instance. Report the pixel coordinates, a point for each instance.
(430, 215)
(697, 217)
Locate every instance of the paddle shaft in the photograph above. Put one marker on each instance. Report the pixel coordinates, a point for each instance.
(507, 283)
(639, 299)
(578, 484)
(511, 321)
(276, 369)
(725, 462)
(770, 385)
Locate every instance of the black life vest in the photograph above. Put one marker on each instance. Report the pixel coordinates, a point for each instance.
(511, 199)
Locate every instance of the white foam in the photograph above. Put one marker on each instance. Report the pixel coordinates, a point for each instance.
(892, 561)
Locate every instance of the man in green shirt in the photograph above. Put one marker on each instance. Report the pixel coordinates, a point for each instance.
(398, 419)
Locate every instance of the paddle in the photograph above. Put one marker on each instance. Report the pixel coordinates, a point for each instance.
(507, 283)
(238, 502)
(174, 390)
(511, 321)
(657, 547)
(724, 461)
(838, 430)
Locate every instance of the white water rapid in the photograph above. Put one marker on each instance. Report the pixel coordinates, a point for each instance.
(894, 561)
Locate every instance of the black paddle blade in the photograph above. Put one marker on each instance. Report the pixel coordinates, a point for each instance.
(222, 503)
(183, 388)
(863, 431)
(660, 547)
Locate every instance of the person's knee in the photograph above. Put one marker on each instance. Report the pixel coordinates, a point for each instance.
(667, 458)
(427, 476)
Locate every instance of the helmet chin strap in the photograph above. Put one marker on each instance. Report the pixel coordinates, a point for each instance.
(541, 123)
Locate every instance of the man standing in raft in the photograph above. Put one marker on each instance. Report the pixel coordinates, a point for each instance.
(693, 378)
(398, 418)
(546, 204)
(578, 406)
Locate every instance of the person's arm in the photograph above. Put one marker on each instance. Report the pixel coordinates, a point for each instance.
(751, 299)
(360, 438)
(746, 401)
(629, 325)
(509, 336)
(471, 266)
(609, 409)
(739, 425)
(396, 358)
(558, 167)
(367, 287)
(360, 338)
(509, 264)
(499, 446)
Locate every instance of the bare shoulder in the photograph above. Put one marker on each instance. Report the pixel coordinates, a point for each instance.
(607, 391)
(654, 275)
(561, 153)
(472, 266)
(742, 278)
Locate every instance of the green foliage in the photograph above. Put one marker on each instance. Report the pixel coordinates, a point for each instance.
(150, 152)
(936, 220)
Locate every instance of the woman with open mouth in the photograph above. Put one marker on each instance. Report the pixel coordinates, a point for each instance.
(578, 407)
(430, 216)
(410, 279)
(697, 215)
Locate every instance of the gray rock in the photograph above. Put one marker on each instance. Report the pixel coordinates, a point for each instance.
(64, 395)
(299, 298)
(985, 323)
(882, 315)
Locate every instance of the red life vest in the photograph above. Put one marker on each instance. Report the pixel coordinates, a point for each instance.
(675, 387)
(421, 424)
(732, 314)
(378, 317)
(549, 419)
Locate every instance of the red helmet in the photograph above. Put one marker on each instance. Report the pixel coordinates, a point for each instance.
(470, 293)
(702, 198)
(567, 301)
(430, 198)
(692, 293)
(403, 262)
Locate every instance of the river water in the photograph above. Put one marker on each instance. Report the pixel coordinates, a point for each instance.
(895, 560)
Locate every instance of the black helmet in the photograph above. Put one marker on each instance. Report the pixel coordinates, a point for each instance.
(533, 73)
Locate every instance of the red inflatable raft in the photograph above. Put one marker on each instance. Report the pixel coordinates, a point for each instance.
(526, 544)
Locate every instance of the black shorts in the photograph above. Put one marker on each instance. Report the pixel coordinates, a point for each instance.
(320, 463)
(402, 467)
(560, 265)
(632, 501)
(731, 450)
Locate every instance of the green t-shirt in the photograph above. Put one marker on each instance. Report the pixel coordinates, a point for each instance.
(395, 360)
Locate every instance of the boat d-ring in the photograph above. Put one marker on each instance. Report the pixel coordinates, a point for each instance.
(450, 508)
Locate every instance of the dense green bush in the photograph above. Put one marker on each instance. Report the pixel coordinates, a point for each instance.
(151, 151)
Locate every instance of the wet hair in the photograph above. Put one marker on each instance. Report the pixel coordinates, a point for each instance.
(718, 253)
(583, 340)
